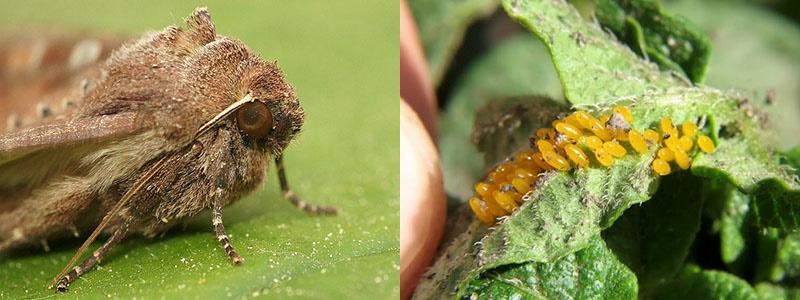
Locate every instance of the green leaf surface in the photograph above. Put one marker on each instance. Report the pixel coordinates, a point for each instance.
(767, 251)
(591, 273)
(592, 66)
(734, 228)
(342, 158)
(654, 239)
(780, 251)
(789, 256)
(767, 291)
(695, 283)
(442, 25)
(730, 210)
(671, 42)
(793, 159)
(778, 256)
(762, 42)
(518, 66)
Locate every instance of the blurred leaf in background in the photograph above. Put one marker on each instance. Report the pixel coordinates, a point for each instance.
(442, 25)
(757, 52)
(656, 35)
(342, 59)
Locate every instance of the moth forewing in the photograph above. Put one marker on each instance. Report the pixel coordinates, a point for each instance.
(176, 122)
(67, 133)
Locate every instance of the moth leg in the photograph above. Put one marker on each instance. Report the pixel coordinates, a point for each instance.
(222, 236)
(294, 199)
(90, 262)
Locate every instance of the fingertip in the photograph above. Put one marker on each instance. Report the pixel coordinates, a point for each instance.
(415, 83)
(422, 202)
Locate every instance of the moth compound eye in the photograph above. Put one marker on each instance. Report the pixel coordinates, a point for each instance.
(254, 119)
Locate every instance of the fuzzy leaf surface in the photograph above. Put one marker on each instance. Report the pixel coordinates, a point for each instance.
(592, 66)
(593, 272)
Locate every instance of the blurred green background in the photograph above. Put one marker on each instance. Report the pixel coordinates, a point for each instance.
(341, 56)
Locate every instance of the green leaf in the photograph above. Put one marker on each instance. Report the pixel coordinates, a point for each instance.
(779, 256)
(767, 251)
(793, 159)
(442, 25)
(654, 239)
(789, 256)
(780, 251)
(694, 283)
(591, 273)
(671, 42)
(767, 291)
(519, 65)
(341, 158)
(777, 206)
(592, 66)
(736, 229)
(757, 39)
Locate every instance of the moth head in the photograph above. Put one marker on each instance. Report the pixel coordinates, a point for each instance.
(275, 116)
(227, 77)
(268, 116)
(204, 79)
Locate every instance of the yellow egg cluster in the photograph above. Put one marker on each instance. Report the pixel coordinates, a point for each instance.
(570, 143)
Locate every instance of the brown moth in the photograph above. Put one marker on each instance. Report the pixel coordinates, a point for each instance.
(171, 124)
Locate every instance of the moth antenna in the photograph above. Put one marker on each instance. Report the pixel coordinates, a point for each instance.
(107, 218)
(224, 114)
